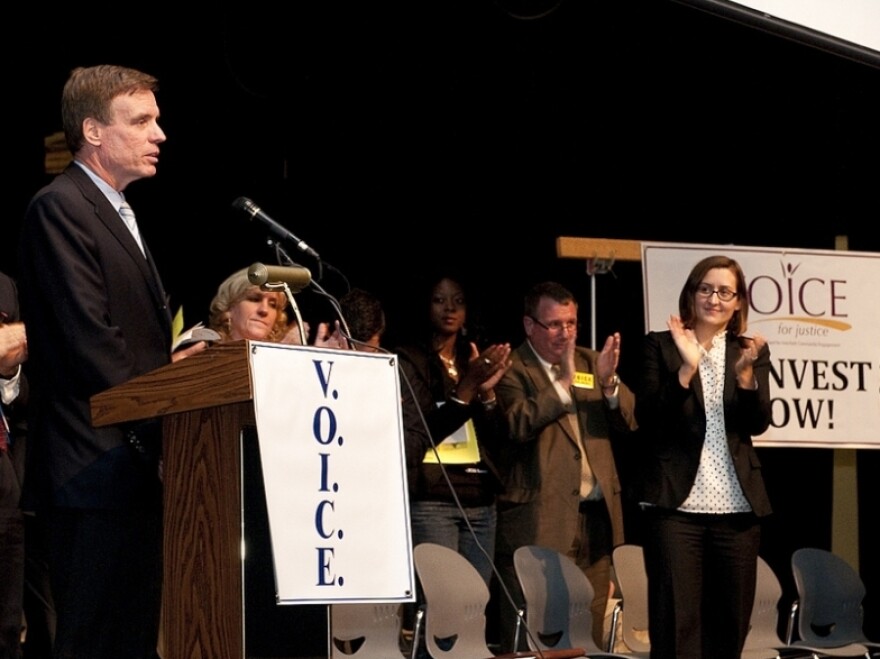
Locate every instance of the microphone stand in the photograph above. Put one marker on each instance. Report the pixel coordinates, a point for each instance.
(284, 259)
(293, 305)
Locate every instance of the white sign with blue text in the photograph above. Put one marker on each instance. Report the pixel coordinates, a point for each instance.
(331, 448)
(818, 311)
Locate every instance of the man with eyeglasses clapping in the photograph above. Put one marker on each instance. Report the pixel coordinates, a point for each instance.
(562, 489)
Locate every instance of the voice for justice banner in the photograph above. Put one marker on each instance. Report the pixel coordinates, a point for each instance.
(331, 447)
(820, 314)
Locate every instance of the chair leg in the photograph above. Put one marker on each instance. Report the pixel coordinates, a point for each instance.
(789, 628)
(517, 629)
(615, 617)
(417, 628)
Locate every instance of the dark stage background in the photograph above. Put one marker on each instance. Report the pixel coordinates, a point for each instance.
(399, 137)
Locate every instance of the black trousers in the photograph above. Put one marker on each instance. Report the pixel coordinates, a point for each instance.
(701, 582)
(591, 551)
(106, 573)
(11, 557)
(39, 606)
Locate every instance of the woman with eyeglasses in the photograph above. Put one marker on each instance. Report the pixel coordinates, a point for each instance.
(704, 395)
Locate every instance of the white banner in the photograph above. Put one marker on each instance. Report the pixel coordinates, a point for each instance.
(819, 313)
(331, 447)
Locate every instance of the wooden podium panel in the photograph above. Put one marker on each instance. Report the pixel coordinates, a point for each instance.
(203, 583)
(204, 402)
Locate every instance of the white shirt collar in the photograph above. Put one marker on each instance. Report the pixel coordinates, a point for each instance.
(114, 196)
(548, 367)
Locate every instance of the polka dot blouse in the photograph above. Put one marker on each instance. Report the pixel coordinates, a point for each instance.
(716, 488)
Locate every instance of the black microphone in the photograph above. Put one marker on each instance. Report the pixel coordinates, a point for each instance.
(249, 207)
(296, 277)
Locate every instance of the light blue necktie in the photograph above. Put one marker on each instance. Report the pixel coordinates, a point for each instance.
(128, 217)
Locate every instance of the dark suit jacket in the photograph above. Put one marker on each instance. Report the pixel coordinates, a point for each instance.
(96, 316)
(11, 522)
(10, 314)
(12, 463)
(673, 422)
(8, 299)
(542, 461)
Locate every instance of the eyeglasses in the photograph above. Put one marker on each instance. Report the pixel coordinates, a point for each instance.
(557, 326)
(724, 293)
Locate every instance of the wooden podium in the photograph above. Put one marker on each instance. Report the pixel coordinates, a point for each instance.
(204, 401)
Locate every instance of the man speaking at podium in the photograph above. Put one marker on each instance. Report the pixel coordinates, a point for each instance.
(97, 316)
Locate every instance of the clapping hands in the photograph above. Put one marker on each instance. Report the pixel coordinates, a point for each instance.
(750, 348)
(484, 371)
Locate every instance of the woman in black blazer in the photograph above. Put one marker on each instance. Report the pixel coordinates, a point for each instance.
(704, 394)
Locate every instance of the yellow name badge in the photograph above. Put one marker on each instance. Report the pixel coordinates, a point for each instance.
(583, 380)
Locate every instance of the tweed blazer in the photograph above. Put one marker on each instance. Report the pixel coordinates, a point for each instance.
(542, 458)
